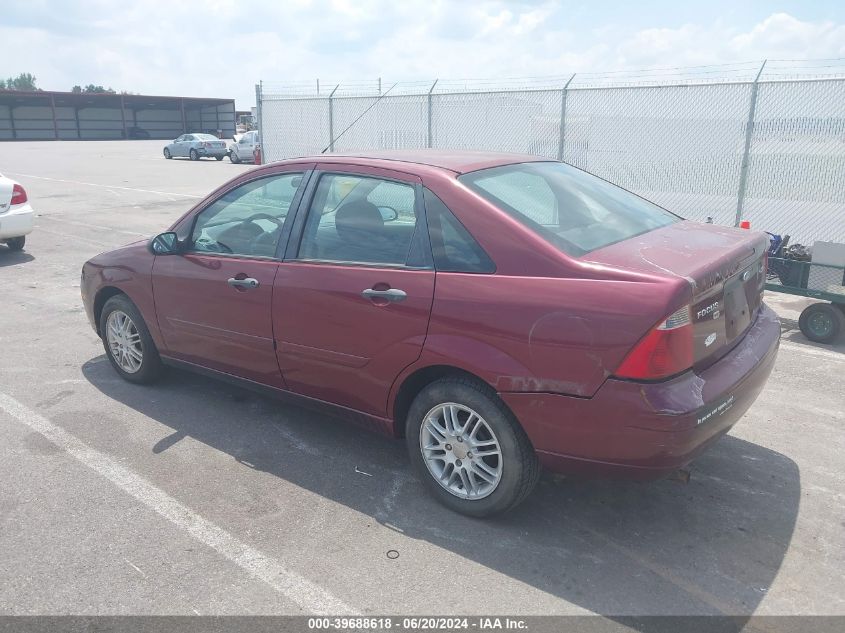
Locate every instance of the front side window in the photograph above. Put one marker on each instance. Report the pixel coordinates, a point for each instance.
(360, 219)
(248, 219)
(575, 211)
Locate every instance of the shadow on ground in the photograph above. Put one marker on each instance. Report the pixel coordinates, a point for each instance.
(8, 257)
(712, 546)
(789, 331)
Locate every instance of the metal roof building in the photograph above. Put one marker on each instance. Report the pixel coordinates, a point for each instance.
(46, 115)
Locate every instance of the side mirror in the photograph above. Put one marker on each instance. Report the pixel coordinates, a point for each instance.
(388, 214)
(165, 244)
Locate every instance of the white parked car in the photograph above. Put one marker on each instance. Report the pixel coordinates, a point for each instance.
(16, 216)
(242, 150)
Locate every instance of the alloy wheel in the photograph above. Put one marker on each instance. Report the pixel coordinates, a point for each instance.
(461, 451)
(124, 342)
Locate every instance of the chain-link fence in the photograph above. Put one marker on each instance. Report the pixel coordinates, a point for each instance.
(765, 142)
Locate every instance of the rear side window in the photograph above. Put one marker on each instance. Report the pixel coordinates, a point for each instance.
(573, 210)
(453, 248)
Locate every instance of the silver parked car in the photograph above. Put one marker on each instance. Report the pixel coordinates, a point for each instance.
(196, 146)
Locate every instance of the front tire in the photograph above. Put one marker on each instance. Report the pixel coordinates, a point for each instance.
(469, 449)
(234, 157)
(127, 341)
(167, 154)
(194, 154)
(16, 243)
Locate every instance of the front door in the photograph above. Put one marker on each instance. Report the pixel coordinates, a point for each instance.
(246, 146)
(213, 301)
(181, 145)
(352, 304)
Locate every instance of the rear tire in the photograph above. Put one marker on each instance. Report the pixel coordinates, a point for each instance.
(167, 154)
(510, 468)
(127, 341)
(194, 155)
(822, 322)
(219, 157)
(16, 243)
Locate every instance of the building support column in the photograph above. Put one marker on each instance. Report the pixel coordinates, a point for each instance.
(55, 122)
(123, 116)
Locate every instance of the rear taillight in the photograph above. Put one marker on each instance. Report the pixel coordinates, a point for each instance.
(18, 194)
(206, 144)
(665, 351)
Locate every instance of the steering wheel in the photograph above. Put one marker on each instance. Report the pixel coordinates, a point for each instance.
(279, 222)
(213, 246)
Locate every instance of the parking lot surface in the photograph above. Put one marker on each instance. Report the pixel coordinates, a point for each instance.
(195, 497)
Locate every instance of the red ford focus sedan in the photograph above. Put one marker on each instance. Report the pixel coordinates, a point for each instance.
(501, 312)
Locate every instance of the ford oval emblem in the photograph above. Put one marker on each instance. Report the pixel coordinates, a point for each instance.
(746, 275)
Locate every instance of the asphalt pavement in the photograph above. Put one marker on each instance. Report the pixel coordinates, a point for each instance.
(196, 497)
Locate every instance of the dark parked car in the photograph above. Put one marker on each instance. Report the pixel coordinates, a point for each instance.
(501, 312)
(137, 133)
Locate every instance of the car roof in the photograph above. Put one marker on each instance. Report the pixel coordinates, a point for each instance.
(457, 161)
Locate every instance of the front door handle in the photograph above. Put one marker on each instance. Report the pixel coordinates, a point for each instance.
(394, 295)
(247, 282)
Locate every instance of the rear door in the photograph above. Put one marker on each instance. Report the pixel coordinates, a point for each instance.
(352, 302)
(213, 301)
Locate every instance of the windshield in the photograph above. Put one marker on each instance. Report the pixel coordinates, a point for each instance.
(205, 137)
(574, 210)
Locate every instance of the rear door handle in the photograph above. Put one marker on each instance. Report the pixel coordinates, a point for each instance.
(393, 295)
(247, 282)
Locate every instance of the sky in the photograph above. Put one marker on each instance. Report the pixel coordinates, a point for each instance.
(222, 48)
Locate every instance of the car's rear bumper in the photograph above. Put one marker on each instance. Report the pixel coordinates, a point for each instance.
(212, 152)
(17, 222)
(648, 430)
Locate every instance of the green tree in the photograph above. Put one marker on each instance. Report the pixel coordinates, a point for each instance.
(91, 88)
(24, 81)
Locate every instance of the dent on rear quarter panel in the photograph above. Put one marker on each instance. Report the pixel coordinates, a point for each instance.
(530, 334)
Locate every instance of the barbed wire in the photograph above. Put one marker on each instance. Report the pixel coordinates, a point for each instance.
(731, 72)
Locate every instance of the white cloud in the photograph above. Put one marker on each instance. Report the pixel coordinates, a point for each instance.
(224, 48)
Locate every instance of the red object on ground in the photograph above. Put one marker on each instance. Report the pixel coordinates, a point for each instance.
(256, 156)
(745, 224)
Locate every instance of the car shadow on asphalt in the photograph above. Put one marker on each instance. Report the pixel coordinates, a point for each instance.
(8, 257)
(712, 546)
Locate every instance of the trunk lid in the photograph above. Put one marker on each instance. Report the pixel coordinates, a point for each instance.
(725, 269)
(5, 194)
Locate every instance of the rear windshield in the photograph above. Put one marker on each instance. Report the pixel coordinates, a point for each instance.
(575, 211)
(205, 137)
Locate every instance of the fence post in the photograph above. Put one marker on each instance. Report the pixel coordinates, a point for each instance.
(259, 95)
(331, 118)
(749, 130)
(428, 138)
(563, 117)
